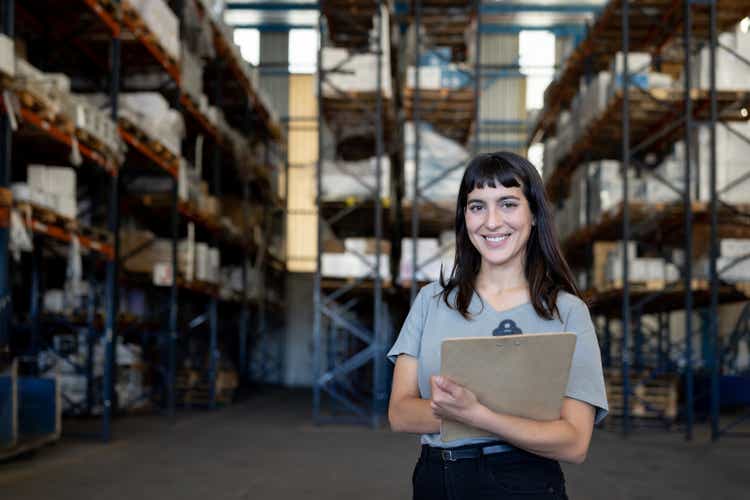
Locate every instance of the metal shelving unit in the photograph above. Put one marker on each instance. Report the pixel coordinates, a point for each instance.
(244, 109)
(350, 380)
(638, 128)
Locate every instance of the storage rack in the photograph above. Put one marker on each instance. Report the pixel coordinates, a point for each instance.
(112, 38)
(350, 329)
(643, 123)
(453, 113)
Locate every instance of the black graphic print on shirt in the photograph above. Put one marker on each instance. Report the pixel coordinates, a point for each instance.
(506, 327)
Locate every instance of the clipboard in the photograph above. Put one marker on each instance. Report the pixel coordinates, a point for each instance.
(523, 375)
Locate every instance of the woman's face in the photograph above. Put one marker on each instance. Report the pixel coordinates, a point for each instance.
(499, 222)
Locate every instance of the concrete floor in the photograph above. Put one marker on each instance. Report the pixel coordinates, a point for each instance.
(266, 448)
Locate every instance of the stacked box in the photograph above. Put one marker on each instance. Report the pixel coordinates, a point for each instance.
(95, 121)
(343, 180)
(358, 73)
(162, 23)
(7, 56)
(150, 112)
(732, 153)
(59, 183)
(640, 268)
(731, 72)
(733, 261)
(215, 261)
(191, 74)
(427, 248)
(52, 90)
(439, 157)
(348, 265)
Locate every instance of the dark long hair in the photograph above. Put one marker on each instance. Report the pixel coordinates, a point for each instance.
(546, 270)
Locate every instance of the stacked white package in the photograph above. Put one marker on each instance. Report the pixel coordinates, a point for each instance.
(150, 112)
(214, 265)
(567, 133)
(59, 184)
(202, 261)
(733, 264)
(439, 158)
(230, 282)
(162, 22)
(732, 153)
(731, 72)
(429, 260)
(22, 192)
(357, 73)
(93, 119)
(594, 98)
(610, 186)
(7, 56)
(640, 269)
(191, 74)
(349, 265)
(354, 179)
(51, 89)
(438, 72)
(549, 158)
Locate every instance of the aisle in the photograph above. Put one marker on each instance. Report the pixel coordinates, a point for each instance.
(266, 448)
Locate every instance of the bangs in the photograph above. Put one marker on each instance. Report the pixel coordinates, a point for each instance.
(491, 170)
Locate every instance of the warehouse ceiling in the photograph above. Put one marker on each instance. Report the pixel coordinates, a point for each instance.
(286, 14)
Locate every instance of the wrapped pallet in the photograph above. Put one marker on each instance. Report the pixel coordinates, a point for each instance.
(439, 157)
(162, 22)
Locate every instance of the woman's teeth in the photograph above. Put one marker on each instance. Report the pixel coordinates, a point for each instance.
(496, 239)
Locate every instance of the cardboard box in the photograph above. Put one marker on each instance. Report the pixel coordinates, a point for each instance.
(7, 56)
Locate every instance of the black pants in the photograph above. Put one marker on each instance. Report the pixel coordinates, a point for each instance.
(510, 475)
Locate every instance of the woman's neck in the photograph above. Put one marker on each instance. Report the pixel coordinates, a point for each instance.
(499, 279)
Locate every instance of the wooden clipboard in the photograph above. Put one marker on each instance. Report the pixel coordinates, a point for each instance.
(522, 375)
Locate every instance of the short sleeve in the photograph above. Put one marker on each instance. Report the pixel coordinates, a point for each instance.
(410, 337)
(586, 381)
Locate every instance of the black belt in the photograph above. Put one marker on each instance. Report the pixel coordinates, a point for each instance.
(464, 453)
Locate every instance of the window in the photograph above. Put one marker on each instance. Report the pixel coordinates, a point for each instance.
(537, 60)
(303, 50)
(249, 43)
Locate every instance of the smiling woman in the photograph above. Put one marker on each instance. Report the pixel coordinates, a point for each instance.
(508, 277)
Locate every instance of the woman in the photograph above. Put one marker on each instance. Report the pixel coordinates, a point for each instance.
(509, 277)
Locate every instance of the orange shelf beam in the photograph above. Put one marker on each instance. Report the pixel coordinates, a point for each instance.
(132, 141)
(65, 236)
(106, 17)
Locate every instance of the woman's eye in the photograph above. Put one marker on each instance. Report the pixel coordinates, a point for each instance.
(475, 208)
(509, 204)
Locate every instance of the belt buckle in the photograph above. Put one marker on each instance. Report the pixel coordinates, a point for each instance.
(447, 456)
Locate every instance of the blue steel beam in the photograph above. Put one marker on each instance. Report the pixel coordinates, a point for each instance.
(514, 8)
(110, 330)
(273, 6)
(6, 148)
(274, 28)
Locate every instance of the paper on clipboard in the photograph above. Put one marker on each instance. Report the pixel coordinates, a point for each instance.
(522, 375)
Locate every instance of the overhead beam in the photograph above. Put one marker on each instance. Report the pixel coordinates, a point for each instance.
(277, 28)
(272, 6)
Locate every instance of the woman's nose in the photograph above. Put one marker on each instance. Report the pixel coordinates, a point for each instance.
(494, 218)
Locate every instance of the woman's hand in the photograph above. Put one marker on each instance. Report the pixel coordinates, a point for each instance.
(453, 401)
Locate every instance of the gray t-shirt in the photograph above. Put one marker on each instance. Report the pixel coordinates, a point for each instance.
(430, 321)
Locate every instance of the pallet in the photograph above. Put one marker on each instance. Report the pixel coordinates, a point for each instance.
(132, 19)
(152, 144)
(96, 234)
(96, 144)
(46, 216)
(44, 108)
(655, 397)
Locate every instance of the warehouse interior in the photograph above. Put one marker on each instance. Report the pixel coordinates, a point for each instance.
(215, 214)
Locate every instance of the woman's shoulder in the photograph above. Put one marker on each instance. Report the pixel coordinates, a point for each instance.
(431, 291)
(568, 303)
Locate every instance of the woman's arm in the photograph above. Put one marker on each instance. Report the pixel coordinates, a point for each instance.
(566, 439)
(408, 412)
